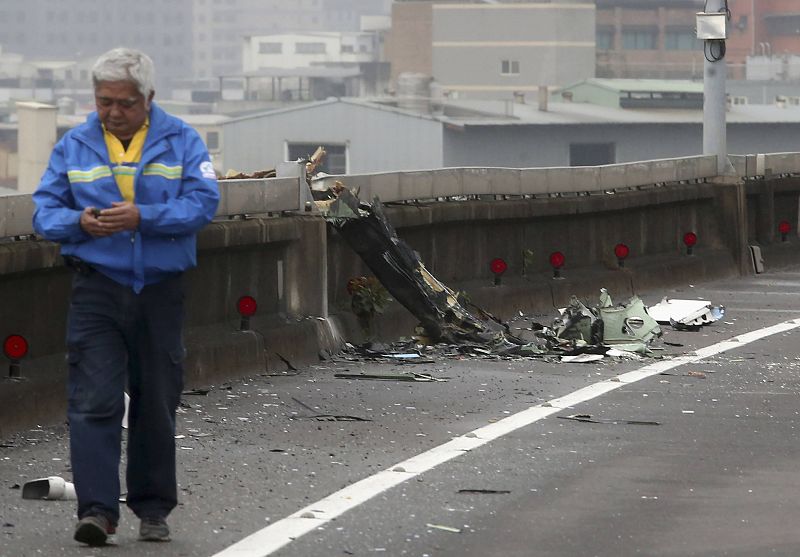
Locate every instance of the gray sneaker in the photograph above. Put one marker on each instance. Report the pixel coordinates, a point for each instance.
(95, 530)
(154, 530)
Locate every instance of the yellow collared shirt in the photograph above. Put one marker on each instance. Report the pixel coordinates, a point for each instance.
(125, 162)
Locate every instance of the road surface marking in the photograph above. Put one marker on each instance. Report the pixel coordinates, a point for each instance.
(281, 533)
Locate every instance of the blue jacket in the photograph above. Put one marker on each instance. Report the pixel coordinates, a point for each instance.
(175, 191)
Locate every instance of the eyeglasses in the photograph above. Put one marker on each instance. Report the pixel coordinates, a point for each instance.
(125, 104)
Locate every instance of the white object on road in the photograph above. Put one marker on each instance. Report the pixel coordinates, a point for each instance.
(53, 488)
(686, 312)
(582, 358)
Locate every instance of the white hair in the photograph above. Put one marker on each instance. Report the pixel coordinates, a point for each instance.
(126, 64)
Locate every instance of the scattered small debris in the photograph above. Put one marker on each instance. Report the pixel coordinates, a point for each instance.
(485, 491)
(259, 174)
(445, 528)
(328, 417)
(699, 374)
(589, 419)
(198, 392)
(411, 377)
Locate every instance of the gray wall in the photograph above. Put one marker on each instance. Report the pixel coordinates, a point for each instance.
(377, 139)
(381, 140)
(533, 146)
(512, 32)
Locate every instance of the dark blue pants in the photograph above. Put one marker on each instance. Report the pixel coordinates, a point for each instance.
(115, 335)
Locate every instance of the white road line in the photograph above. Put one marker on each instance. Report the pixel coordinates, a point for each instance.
(735, 309)
(275, 536)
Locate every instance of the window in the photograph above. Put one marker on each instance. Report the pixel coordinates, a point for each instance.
(681, 39)
(783, 24)
(309, 48)
(509, 67)
(347, 48)
(212, 141)
(270, 48)
(638, 39)
(335, 161)
(591, 154)
(605, 39)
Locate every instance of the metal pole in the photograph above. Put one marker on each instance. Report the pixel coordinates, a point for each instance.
(714, 104)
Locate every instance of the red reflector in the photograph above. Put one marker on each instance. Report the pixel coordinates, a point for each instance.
(15, 347)
(784, 227)
(621, 251)
(690, 239)
(498, 266)
(247, 306)
(557, 260)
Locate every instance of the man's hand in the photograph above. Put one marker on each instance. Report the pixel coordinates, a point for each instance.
(123, 215)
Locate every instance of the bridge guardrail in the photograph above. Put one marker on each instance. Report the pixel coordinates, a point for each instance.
(455, 182)
(237, 197)
(258, 196)
(755, 165)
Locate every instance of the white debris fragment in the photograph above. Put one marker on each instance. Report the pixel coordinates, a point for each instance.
(686, 312)
(582, 358)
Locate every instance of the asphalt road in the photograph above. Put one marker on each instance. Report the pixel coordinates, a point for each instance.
(709, 470)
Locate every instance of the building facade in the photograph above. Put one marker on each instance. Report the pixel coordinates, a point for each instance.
(187, 39)
(499, 50)
(493, 50)
(219, 26)
(487, 134)
(308, 49)
(764, 36)
(648, 39)
(70, 30)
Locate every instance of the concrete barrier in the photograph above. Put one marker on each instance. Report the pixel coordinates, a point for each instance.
(456, 182)
(263, 244)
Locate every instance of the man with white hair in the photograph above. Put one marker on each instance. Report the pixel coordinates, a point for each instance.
(125, 194)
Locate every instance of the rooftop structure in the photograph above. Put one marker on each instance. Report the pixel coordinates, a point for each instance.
(636, 93)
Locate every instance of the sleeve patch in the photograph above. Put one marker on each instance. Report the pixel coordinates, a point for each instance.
(207, 170)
